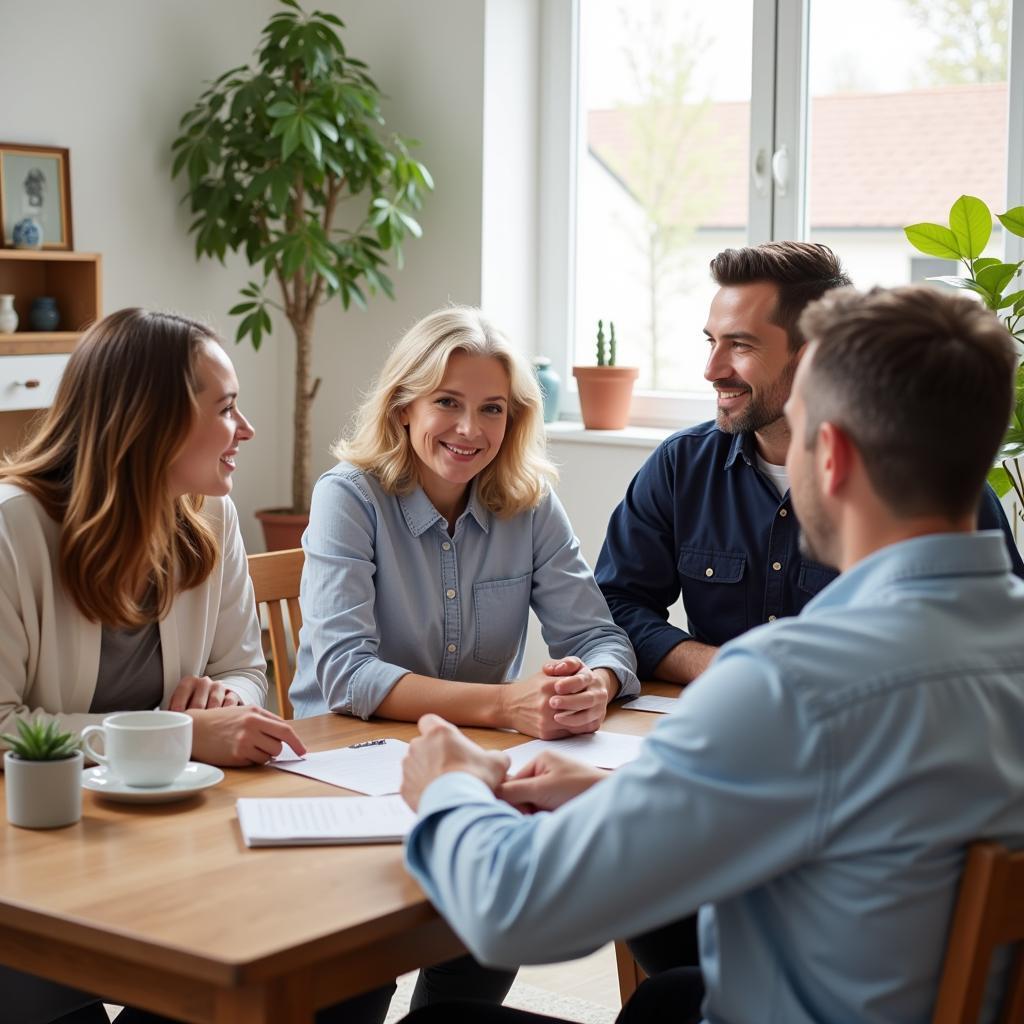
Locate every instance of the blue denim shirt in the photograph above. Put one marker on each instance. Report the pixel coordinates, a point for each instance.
(699, 517)
(815, 791)
(386, 591)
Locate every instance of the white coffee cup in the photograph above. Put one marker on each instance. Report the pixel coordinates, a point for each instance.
(142, 748)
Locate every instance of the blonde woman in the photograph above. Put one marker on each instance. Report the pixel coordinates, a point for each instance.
(123, 581)
(429, 543)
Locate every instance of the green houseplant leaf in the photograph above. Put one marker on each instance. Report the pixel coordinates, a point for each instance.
(933, 240)
(970, 220)
(41, 741)
(1013, 221)
(269, 153)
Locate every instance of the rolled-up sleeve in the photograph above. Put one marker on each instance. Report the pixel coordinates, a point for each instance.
(573, 615)
(338, 598)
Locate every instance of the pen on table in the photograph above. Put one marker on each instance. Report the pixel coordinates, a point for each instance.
(367, 743)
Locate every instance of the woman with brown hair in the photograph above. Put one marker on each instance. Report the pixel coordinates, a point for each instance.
(123, 580)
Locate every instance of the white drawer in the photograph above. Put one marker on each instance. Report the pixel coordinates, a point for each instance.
(29, 382)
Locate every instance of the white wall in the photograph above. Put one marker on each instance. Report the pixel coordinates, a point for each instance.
(109, 79)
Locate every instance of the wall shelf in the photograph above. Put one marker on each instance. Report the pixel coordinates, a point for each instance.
(75, 280)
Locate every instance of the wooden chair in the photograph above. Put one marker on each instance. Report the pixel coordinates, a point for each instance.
(275, 578)
(989, 913)
(629, 971)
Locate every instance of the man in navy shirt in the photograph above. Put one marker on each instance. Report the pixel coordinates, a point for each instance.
(709, 513)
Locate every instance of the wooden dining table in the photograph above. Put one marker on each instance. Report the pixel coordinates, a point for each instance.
(162, 906)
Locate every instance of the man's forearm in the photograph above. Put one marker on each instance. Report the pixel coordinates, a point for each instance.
(685, 662)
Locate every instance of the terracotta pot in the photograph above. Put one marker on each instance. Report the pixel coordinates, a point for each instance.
(606, 393)
(282, 529)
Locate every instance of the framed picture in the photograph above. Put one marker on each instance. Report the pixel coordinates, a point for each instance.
(36, 181)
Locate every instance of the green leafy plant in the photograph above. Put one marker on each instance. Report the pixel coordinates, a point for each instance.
(998, 285)
(606, 354)
(41, 741)
(270, 152)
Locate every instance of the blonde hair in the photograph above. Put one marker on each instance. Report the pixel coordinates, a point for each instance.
(98, 465)
(378, 443)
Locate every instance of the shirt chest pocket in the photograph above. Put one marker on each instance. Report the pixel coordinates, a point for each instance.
(714, 592)
(501, 609)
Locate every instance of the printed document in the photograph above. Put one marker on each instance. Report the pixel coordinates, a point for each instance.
(324, 820)
(373, 767)
(600, 749)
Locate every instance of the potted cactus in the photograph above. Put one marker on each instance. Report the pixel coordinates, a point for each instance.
(43, 770)
(606, 389)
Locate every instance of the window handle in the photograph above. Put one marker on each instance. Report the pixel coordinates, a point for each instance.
(780, 169)
(759, 170)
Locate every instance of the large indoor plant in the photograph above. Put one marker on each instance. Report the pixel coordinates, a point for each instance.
(999, 286)
(270, 150)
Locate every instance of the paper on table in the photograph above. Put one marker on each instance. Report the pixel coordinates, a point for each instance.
(600, 749)
(374, 768)
(309, 821)
(659, 705)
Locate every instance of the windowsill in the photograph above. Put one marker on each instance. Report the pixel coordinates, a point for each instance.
(573, 432)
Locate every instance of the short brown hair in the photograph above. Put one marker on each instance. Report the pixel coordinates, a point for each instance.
(921, 381)
(98, 466)
(800, 271)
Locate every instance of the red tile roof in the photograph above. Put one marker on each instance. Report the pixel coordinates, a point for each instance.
(878, 160)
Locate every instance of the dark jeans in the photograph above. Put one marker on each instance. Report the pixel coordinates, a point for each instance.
(673, 997)
(673, 945)
(459, 980)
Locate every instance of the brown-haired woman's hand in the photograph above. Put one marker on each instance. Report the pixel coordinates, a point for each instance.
(239, 736)
(202, 692)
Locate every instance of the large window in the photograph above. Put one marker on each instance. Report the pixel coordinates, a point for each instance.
(702, 126)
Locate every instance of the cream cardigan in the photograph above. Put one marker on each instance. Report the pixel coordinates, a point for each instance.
(50, 653)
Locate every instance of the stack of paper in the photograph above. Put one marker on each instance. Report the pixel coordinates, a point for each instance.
(322, 821)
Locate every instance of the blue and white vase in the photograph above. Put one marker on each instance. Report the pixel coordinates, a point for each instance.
(27, 233)
(550, 387)
(43, 314)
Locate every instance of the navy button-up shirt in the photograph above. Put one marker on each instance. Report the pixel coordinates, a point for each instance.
(701, 518)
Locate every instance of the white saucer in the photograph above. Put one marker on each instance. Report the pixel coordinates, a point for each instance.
(194, 778)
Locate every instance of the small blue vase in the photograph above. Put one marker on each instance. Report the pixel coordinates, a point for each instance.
(550, 387)
(43, 314)
(27, 234)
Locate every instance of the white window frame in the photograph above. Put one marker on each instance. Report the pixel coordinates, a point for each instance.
(779, 110)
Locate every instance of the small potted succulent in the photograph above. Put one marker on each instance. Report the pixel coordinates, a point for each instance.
(606, 390)
(44, 776)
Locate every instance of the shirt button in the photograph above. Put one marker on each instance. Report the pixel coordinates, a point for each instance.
(452, 648)
(446, 546)
(709, 572)
(776, 566)
(449, 593)
(783, 512)
(771, 618)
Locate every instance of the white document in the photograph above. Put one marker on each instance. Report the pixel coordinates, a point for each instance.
(600, 749)
(324, 820)
(659, 705)
(373, 767)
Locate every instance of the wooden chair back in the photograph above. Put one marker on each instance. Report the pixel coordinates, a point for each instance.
(989, 914)
(275, 578)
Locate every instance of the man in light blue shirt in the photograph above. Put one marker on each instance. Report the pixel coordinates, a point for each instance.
(816, 788)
